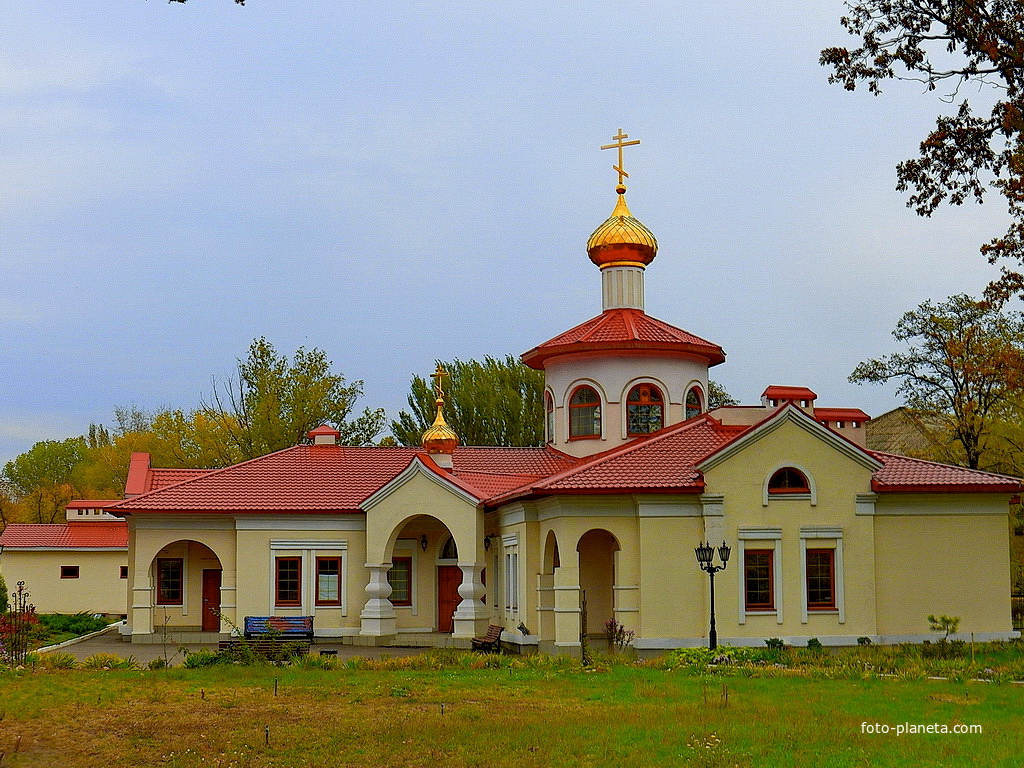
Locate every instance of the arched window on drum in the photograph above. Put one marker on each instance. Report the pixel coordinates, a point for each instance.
(584, 413)
(694, 402)
(645, 410)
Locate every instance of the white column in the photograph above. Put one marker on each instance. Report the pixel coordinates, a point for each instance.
(378, 615)
(471, 614)
(622, 287)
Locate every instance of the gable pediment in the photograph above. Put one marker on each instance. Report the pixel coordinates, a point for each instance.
(793, 421)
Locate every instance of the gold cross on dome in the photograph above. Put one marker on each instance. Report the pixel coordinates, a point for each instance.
(437, 376)
(619, 145)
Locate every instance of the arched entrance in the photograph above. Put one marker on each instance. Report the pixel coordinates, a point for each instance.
(186, 587)
(425, 576)
(597, 548)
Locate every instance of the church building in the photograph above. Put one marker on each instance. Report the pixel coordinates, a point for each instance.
(429, 545)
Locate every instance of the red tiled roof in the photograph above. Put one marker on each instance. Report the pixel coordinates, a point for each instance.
(664, 461)
(621, 329)
(90, 503)
(108, 534)
(902, 473)
(161, 478)
(330, 478)
(777, 392)
(840, 414)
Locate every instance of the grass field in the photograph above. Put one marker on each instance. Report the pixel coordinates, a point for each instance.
(546, 714)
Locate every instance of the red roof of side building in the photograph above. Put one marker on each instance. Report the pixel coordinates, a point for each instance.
(777, 392)
(333, 478)
(624, 329)
(904, 474)
(840, 414)
(90, 503)
(111, 534)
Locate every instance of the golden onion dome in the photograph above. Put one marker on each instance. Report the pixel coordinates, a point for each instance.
(439, 437)
(622, 240)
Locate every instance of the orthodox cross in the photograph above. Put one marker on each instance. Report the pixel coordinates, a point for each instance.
(619, 145)
(437, 376)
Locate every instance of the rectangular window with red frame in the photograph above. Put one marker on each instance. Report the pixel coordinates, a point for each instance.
(821, 579)
(400, 577)
(170, 581)
(759, 579)
(288, 581)
(328, 581)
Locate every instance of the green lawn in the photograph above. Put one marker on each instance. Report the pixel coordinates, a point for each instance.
(544, 714)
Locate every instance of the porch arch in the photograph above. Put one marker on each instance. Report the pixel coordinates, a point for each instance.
(182, 588)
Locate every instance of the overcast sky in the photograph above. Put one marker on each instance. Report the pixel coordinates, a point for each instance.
(399, 182)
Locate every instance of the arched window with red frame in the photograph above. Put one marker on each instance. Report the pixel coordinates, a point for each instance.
(788, 480)
(694, 402)
(584, 413)
(549, 417)
(645, 412)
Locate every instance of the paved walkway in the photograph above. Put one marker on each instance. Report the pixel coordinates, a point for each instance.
(110, 642)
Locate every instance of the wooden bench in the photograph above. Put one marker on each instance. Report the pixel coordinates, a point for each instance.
(491, 641)
(274, 636)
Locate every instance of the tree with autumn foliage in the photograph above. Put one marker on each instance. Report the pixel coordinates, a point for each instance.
(947, 44)
(273, 401)
(963, 366)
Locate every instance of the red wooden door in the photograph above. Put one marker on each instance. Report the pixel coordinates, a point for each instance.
(211, 600)
(448, 579)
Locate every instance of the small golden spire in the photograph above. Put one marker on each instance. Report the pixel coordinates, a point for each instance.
(439, 437)
(619, 145)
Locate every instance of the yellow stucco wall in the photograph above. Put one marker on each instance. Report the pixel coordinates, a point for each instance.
(953, 564)
(98, 589)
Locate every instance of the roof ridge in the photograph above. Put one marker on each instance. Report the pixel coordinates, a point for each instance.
(627, 319)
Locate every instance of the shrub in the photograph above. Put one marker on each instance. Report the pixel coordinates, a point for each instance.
(775, 644)
(108, 661)
(158, 663)
(943, 649)
(59, 660)
(3, 594)
(947, 624)
(814, 644)
(75, 623)
(618, 636)
(863, 640)
(204, 658)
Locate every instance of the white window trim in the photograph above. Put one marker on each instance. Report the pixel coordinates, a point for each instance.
(308, 551)
(827, 535)
(549, 436)
(762, 536)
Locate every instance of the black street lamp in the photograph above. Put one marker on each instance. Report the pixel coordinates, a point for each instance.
(705, 553)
